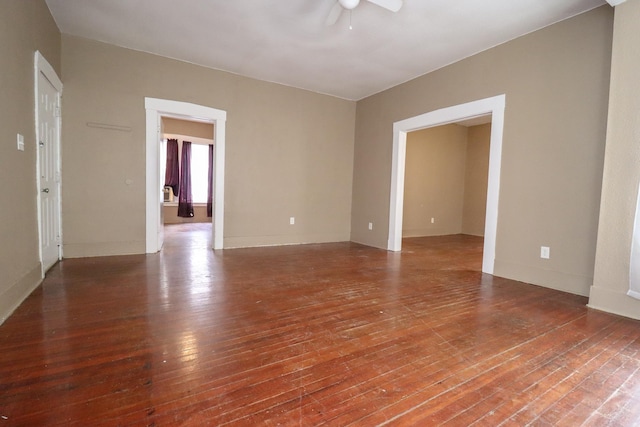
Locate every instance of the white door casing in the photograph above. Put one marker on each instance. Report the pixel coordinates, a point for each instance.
(155, 110)
(494, 106)
(48, 92)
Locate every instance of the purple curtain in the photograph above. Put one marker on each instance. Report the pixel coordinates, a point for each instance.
(185, 200)
(172, 174)
(210, 184)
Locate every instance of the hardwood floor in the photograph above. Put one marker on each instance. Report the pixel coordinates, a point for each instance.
(329, 334)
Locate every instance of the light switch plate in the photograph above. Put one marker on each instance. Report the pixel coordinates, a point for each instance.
(20, 142)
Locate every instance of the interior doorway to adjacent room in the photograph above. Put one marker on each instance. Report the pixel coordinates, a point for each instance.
(493, 107)
(156, 110)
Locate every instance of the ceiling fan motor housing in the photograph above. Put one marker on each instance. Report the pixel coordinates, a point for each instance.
(349, 4)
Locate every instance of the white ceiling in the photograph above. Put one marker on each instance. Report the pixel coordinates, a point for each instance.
(287, 42)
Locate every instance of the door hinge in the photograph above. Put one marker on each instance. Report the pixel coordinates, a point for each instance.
(56, 111)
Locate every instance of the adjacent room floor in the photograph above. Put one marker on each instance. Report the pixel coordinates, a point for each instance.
(327, 334)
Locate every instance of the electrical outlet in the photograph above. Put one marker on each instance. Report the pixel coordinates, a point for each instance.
(370, 226)
(544, 252)
(433, 220)
(292, 220)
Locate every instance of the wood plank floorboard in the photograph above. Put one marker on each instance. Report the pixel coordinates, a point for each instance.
(332, 334)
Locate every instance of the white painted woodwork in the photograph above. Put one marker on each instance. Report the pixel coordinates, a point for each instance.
(493, 106)
(634, 261)
(48, 90)
(155, 110)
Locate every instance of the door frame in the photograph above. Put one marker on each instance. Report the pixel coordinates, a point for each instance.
(155, 110)
(494, 106)
(42, 66)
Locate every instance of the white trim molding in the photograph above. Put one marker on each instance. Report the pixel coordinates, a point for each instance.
(156, 109)
(42, 66)
(614, 3)
(494, 106)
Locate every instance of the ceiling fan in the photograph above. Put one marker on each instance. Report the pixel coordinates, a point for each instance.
(340, 5)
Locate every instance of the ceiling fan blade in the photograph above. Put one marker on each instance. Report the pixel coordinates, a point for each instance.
(392, 5)
(334, 14)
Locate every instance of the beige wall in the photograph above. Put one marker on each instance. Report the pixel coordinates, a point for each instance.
(556, 86)
(25, 26)
(186, 127)
(434, 181)
(475, 179)
(170, 214)
(621, 169)
(289, 152)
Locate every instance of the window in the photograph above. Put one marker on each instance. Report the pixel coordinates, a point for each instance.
(199, 172)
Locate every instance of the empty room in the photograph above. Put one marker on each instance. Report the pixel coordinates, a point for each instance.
(320, 212)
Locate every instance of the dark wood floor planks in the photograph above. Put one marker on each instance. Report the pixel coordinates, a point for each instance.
(331, 334)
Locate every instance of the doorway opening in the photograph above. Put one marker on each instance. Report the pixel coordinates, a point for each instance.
(198, 221)
(494, 107)
(445, 190)
(157, 109)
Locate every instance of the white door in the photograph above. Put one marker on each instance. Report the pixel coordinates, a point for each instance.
(48, 158)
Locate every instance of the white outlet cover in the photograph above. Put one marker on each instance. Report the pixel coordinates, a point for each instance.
(544, 252)
(370, 226)
(292, 220)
